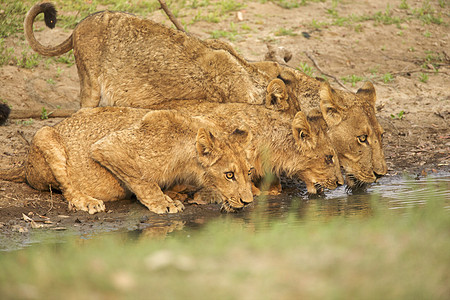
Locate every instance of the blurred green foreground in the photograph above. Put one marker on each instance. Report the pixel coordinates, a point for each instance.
(389, 255)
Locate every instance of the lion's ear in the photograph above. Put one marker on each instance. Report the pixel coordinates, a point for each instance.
(301, 130)
(368, 93)
(242, 137)
(287, 76)
(277, 96)
(331, 111)
(206, 144)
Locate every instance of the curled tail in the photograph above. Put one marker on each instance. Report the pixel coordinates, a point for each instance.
(4, 113)
(16, 174)
(50, 20)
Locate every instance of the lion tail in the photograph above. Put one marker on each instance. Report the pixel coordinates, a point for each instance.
(16, 174)
(4, 113)
(50, 20)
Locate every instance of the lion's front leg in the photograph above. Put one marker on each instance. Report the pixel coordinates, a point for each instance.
(48, 142)
(150, 194)
(113, 153)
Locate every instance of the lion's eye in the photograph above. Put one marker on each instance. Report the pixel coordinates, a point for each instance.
(329, 159)
(362, 138)
(229, 175)
(250, 172)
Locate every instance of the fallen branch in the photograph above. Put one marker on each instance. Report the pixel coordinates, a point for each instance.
(416, 71)
(311, 57)
(20, 133)
(51, 198)
(171, 16)
(26, 114)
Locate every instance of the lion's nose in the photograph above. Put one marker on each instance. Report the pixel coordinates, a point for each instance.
(245, 203)
(377, 176)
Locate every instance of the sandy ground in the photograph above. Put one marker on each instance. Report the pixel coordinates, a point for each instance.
(416, 141)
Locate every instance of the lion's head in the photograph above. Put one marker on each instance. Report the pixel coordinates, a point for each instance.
(350, 121)
(319, 167)
(227, 171)
(355, 132)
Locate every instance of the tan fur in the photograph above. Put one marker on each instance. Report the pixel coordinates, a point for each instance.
(348, 116)
(123, 60)
(104, 154)
(128, 61)
(281, 144)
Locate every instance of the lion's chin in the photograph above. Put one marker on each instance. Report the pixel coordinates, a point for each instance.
(227, 208)
(314, 189)
(354, 185)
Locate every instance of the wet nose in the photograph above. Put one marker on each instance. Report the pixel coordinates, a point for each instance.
(245, 203)
(377, 176)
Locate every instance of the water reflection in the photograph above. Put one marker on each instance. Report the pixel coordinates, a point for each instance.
(390, 193)
(291, 208)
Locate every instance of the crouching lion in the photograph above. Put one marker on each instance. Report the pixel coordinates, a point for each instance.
(124, 60)
(280, 144)
(105, 154)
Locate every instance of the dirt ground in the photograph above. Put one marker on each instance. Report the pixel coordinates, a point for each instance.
(414, 112)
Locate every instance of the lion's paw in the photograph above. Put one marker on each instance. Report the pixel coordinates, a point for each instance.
(89, 204)
(165, 205)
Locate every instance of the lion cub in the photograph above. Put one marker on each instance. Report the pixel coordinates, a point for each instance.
(351, 122)
(105, 154)
(281, 144)
(124, 60)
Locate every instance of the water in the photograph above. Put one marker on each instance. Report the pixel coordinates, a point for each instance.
(391, 194)
(293, 208)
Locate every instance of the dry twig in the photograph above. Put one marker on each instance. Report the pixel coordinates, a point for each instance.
(416, 71)
(311, 57)
(26, 114)
(171, 16)
(20, 133)
(51, 198)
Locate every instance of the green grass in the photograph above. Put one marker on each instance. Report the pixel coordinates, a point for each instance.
(27, 60)
(353, 79)
(215, 11)
(318, 24)
(6, 53)
(66, 58)
(403, 5)
(11, 20)
(288, 4)
(26, 123)
(285, 32)
(389, 255)
(427, 14)
(307, 69)
(433, 58)
(387, 78)
(423, 77)
(399, 116)
(45, 114)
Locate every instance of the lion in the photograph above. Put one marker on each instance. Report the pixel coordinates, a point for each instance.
(351, 124)
(280, 145)
(105, 154)
(124, 60)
